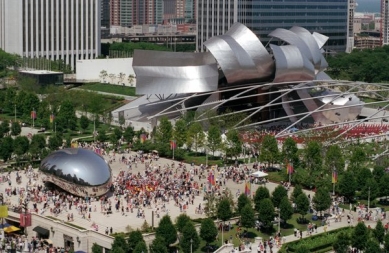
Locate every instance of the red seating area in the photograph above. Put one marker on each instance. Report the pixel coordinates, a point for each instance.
(322, 134)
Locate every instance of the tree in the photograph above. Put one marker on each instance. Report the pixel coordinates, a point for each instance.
(266, 213)
(16, 129)
(247, 218)
(289, 151)
(278, 194)
(210, 207)
(269, 150)
(347, 185)
(84, 122)
(55, 141)
(119, 243)
(129, 134)
(97, 248)
(4, 128)
(158, 246)
(116, 135)
(166, 230)
(180, 132)
(243, 200)
(102, 136)
(378, 172)
(38, 143)
(286, 209)
(233, 143)
(383, 185)
(261, 194)
(67, 116)
(302, 204)
(141, 247)
(214, 139)
(296, 192)
(190, 240)
(181, 222)
(372, 246)
(362, 175)
(133, 239)
(224, 211)
(379, 232)
(371, 189)
(122, 120)
(342, 242)
(21, 145)
(195, 135)
(322, 199)
(358, 158)
(6, 148)
(360, 236)
(164, 131)
(208, 230)
(334, 159)
(386, 242)
(313, 155)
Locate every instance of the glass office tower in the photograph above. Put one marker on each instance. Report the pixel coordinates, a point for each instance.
(328, 17)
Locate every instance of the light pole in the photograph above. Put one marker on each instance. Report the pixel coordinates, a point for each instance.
(15, 112)
(368, 200)
(191, 243)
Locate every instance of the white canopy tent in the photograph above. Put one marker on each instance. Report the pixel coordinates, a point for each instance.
(259, 174)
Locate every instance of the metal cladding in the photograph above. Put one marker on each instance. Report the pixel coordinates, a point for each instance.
(291, 65)
(241, 56)
(173, 73)
(79, 171)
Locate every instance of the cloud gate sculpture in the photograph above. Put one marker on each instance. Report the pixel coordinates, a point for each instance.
(79, 171)
(277, 82)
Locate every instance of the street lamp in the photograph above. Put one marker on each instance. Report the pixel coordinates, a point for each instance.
(191, 242)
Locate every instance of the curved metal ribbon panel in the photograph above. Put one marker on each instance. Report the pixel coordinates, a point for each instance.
(170, 72)
(323, 76)
(241, 56)
(292, 39)
(291, 65)
(320, 39)
(310, 41)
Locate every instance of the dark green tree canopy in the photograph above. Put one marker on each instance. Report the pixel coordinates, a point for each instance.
(21, 145)
(97, 248)
(208, 230)
(119, 243)
(141, 247)
(261, 194)
(190, 238)
(266, 212)
(158, 246)
(166, 230)
(278, 194)
(164, 131)
(322, 199)
(290, 152)
(247, 216)
(313, 156)
(347, 185)
(269, 150)
(360, 236)
(334, 159)
(214, 138)
(224, 211)
(133, 239)
(302, 204)
(243, 200)
(181, 221)
(342, 243)
(286, 209)
(6, 148)
(379, 232)
(16, 129)
(180, 132)
(296, 192)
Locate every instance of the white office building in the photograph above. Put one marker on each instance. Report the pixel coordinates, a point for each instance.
(67, 30)
(385, 22)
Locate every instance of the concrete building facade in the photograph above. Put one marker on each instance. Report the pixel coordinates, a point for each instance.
(385, 21)
(66, 30)
(328, 17)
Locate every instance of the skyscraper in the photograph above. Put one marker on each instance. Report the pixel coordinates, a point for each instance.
(67, 30)
(328, 17)
(385, 22)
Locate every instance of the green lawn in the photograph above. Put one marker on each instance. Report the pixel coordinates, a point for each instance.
(110, 88)
(370, 100)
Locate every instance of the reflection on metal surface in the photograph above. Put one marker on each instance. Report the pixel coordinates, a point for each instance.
(171, 72)
(341, 112)
(241, 55)
(78, 171)
(291, 65)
